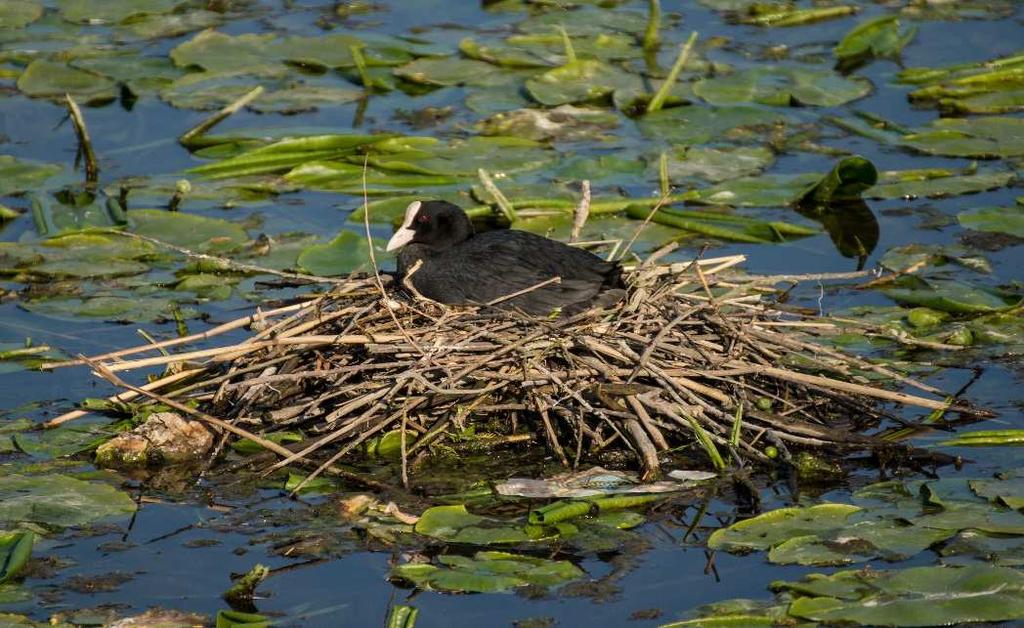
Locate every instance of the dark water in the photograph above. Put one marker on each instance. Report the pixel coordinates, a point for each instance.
(350, 588)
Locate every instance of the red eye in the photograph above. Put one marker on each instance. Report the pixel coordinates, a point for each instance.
(423, 218)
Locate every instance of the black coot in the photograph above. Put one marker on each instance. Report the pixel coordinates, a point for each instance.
(460, 267)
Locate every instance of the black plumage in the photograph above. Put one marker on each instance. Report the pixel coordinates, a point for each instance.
(461, 267)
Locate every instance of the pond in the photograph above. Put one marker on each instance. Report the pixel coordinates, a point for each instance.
(543, 94)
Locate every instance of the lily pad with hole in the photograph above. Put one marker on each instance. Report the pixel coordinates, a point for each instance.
(782, 86)
(59, 500)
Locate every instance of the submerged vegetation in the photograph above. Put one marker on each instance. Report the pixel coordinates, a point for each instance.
(292, 413)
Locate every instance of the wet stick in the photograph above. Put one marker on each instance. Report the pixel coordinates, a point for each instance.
(92, 167)
(581, 213)
(189, 137)
(504, 206)
(662, 94)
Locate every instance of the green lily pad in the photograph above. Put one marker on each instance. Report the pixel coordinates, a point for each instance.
(447, 71)
(928, 183)
(877, 38)
(696, 125)
(344, 254)
(20, 175)
(66, 440)
(15, 549)
(1004, 551)
(19, 13)
(113, 11)
(728, 227)
(782, 86)
(583, 80)
(167, 25)
(429, 156)
(772, 528)
(48, 79)
(1008, 220)
(287, 153)
(718, 164)
(993, 86)
(59, 500)
(454, 524)
(1006, 489)
(912, 257)
(109, 308)
(950, 296)
(142, 75)
(487, 572)
(762, 191)
(858, 542)
(919, 596)
(198, 233)
(989, 137)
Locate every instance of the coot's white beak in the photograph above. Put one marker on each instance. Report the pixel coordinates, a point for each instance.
(405, 233)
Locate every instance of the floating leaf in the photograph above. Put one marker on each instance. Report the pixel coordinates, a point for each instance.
(696, 125)
(877, 38)
(167, 25)
(918, 596)
(344, 254)
(994, 86)
(986, 438)
(718, 164)
(487, 572)
(1005, 489)
(782, 86)
(454, 524)
(113, 11)
(66, 440)
(20, 175)
(726, 226)
(858, 542)
(989, 137)
(19, 13)
(429, 156)
(59, 500)
(582, 80)
(936, 184)
(247, 446)
(446, 71)
(562, 123)
(785, 14)
(771, 528)
(190, 231)
(950, 296)
(1008, 220)
(109, 308)
(44, 78)
(284, 154)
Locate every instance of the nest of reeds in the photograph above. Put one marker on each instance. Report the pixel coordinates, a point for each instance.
(695, 360)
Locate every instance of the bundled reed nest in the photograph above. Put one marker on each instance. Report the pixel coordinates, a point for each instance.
(695, 360)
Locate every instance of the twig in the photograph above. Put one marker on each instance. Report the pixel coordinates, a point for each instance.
(92, 168)
(188, 137)
(582, 211)
(499, 198)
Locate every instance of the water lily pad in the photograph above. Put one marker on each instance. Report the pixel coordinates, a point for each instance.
(284, 154)
(348, 252)
(1008, 220)
(718, 164)
(782, 86)
(66, 440)
(857, 542)
(487, 572)
(771, 528)
(877, 38)
(696, 125)
(447, 71)
(993, 86)
(44, 79)
(429, 156)
(142, 75)
(1005, 551)
(198, 233)
(109, 308)
(113, 11)
(20, 175)
(932, 184)
(919, 596)
(581, 80)
(950, 296)
(19, 13)
(59, 500)
(914, 257)
(988, 137)
(167, 25)
(1006, 489)
(454, 524)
